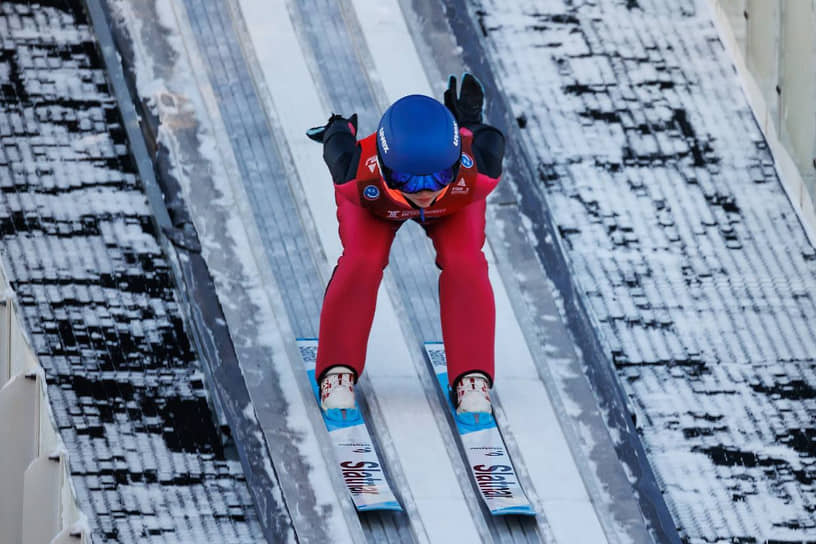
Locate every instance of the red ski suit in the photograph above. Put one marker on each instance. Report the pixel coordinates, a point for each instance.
(369, 214)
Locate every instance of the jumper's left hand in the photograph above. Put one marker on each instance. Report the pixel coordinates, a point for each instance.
(467, 107)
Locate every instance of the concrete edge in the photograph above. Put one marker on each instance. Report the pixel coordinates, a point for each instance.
(789, 175)
(194, 286)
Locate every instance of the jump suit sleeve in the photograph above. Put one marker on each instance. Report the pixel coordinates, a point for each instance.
(488, 149)
(341, 150)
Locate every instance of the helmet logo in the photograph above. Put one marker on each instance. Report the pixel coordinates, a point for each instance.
(455, 134)
(467, 162)
(371, 192)
(383, 142)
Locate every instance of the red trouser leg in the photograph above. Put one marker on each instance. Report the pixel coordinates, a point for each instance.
(351, 297)
(466, 297)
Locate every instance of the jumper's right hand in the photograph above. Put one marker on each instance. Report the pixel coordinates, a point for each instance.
(318, 134)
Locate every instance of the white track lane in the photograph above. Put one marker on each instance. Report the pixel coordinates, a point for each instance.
(240, 234)
(559, 490)
(439, 511)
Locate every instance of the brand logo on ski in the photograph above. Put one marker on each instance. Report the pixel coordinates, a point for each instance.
(494, 480)
(361, 477)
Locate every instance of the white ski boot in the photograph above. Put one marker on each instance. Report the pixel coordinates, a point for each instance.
(473, 394)
(337, 389)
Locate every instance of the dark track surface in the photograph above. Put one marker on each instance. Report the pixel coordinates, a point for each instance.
(690, 275)
(97, 296)
(683, 245)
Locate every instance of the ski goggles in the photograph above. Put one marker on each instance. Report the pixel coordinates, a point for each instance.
(414, 183)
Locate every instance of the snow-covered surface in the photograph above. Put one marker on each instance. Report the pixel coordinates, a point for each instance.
(431, 490)
(211, 185)
(545, 454)
(96, 293)
(543, 450)
(439, 500)
(697, 271)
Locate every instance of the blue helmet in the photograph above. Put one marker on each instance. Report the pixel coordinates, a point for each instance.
(418, 144)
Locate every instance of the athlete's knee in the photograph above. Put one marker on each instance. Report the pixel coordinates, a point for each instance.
(462, 261)
(365, 263)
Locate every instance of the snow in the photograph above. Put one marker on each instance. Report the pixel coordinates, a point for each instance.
(400, 398)
(753, 321)
(690, 272)
(391, 371)
(81, 527)
(229, 238)
(176, 89)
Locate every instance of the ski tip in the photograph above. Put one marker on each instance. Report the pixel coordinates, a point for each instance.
(392, 506)
(520, 510)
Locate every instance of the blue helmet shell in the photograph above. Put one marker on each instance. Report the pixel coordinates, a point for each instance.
(418, 135)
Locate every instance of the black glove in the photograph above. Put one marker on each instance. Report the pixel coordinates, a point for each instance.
(467, 107)
(318, 134)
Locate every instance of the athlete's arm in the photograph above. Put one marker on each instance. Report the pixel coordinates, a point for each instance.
(488, 149)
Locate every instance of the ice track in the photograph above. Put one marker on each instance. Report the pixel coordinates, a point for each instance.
(653, 286)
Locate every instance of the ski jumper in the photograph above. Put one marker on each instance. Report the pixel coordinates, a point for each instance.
(369, 215)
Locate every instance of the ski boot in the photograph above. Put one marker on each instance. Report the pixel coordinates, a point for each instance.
(473, 394)
(337, 389)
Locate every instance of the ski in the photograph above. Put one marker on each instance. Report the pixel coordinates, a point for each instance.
(353, 448)
(490, 464)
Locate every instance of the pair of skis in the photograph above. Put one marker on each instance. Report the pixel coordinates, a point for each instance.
(490, 465)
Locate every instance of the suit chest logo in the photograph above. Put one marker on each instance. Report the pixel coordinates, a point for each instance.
(371, 192)
(460, 187)
(371, 163)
